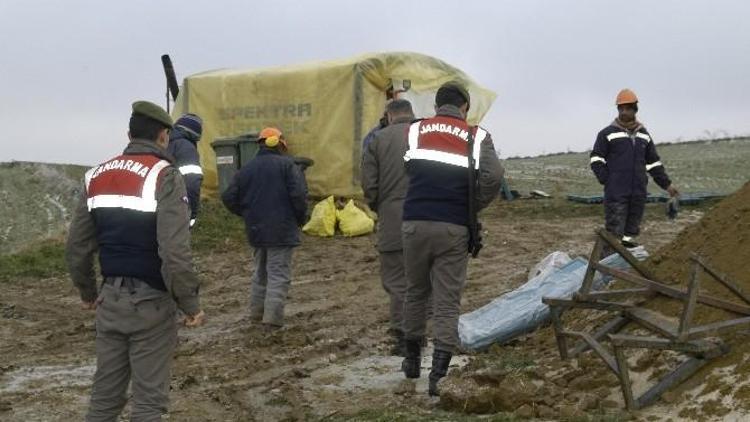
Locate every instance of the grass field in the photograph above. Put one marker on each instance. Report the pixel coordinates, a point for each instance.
(705, 166)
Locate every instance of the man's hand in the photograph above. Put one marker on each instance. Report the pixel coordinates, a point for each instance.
(672, 191)
(192, 321)
(88, 306)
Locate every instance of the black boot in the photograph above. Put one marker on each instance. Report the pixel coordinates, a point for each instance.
(441, 360)
(413, 359)
(399, 343)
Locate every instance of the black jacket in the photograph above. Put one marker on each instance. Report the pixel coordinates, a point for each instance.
(270, 193)
(187, 161)
(620, 160)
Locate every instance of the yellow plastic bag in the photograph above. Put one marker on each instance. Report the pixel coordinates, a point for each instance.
(323, 219)
(353, 221)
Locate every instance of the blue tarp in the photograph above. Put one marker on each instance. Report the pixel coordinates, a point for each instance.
(685, 198)
(522, 311)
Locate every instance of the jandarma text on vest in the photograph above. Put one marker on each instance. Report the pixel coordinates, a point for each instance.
(129, 165)
(444, 128)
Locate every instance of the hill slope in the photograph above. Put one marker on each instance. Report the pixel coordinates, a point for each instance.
(35, 201)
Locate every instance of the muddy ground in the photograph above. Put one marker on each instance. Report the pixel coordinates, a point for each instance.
(330, 361)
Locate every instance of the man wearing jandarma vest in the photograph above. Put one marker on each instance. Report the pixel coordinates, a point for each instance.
(134, 212)
(437, 219)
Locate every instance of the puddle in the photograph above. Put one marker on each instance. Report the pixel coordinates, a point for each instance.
(373, 373)
(40, 378)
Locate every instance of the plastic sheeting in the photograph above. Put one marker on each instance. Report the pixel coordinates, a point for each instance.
(521, 311)
(324, 109)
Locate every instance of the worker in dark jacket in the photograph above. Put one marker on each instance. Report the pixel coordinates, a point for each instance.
(384, 184)
(270, 193)
(435, 223)
(623, 153)
(134, 212)
(183, 147)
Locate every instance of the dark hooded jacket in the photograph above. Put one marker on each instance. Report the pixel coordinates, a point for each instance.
(270, 193)
(183, 147)
(620, 160)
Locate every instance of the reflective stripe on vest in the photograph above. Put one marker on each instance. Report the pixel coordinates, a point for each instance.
(190, 169)
(137, 177)
(617, 135)
(653, 165)
(454, 137)
(643, 136)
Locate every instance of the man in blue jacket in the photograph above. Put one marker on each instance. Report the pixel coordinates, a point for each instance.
(270, 193)
(622, 154)
(183, 147)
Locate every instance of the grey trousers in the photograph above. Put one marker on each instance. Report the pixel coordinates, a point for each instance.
(136, 333)
(393, 277)
(270, 284)
(435, 256)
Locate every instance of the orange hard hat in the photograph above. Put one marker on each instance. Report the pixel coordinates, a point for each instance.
(626, 96)
(272, 137)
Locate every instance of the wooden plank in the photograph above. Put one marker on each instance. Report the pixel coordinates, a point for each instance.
(588, 279)
(642, 342)
(653, 321)
(599, 349)
(562, 342)
(625, 253)
(585, 304)
(612, 326)
(716, 327)
(623, 374)
(608, 294)
(722, 278)
(672, 292)
(683, 372)
(692, 296)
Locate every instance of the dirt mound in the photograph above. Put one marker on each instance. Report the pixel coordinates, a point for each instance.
(721, 237)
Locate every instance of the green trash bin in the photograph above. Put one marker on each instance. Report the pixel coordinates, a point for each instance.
(227, 160)
(248, 147)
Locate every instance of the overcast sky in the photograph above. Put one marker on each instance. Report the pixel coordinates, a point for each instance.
(69, 70)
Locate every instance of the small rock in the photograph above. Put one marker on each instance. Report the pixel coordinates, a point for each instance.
(300, 373)
(525, 411)
(568, 411)
(609, 404)
(549, 400)
(405, 387)
(545, 412)
(588, 402)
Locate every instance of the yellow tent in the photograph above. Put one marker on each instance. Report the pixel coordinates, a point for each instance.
(324, 108)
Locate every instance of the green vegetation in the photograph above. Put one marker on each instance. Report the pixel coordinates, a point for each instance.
(217, 229)
(39, 261)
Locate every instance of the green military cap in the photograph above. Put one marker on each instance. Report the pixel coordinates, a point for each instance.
(152, 111)
(457, 86)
